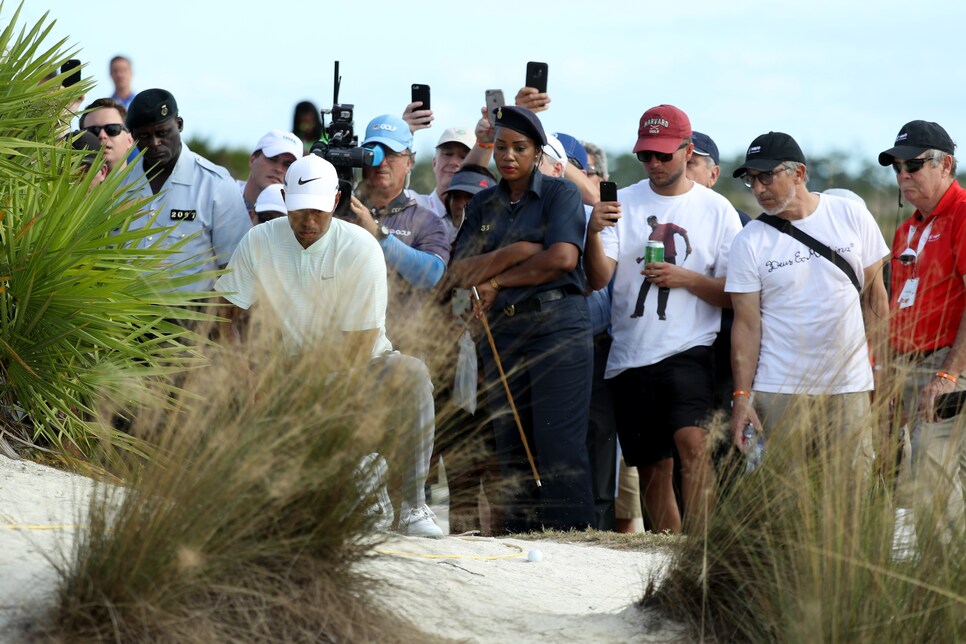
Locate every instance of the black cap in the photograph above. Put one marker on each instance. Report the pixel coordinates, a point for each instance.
(916, 137)
(85, 141)
(470, 182)
(705, 146)
(767, 151)
(149, 107)
(521, 120)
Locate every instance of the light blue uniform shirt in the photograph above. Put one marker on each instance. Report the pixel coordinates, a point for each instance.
(199, 195)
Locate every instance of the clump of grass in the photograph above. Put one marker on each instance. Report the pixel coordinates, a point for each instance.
(802, 550)
(246, 523)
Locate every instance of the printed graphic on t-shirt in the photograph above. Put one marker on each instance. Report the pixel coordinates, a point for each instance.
(663, 233)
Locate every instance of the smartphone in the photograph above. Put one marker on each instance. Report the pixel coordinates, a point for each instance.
(537, 76)
(494, 99)
(608, 191)
(421, 93)
(74, 78)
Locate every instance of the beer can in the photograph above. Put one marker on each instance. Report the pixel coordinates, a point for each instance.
(654, 252)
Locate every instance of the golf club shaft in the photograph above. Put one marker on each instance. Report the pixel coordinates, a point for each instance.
(509, 396)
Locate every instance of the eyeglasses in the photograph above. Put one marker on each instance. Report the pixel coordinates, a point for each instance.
(765, 178)
(645, 156)
(912, 166)
(112, 129)
(389, 155)
(592, 171)
(574, 162)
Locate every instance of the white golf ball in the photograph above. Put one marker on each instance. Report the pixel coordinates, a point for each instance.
(534, 555)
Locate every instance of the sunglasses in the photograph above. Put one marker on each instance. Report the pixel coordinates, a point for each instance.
(645, 156)
(112, 130)
(912, 166)
(765, 178)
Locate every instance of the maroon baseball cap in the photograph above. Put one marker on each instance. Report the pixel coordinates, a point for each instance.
(662, 129)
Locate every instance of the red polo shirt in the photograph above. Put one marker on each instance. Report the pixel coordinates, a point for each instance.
(933, 319)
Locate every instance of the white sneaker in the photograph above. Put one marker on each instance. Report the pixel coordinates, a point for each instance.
(371, 472)
(418, 522)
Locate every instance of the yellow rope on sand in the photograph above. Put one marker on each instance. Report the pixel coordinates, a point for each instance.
(15, 526)
(403, 553)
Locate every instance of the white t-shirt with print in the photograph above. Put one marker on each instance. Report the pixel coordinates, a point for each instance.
(812, 334)
(711, 223)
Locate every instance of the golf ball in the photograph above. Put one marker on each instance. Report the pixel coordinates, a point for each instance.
(534, 555)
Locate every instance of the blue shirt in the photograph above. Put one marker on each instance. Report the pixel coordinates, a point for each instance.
(549, 212)
(199, 197)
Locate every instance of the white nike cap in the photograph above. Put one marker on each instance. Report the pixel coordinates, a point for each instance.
(311, 183)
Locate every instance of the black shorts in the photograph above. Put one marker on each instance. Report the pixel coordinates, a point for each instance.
(653, 402)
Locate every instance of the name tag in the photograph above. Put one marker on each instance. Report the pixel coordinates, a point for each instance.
(183, 215)
(908, 295)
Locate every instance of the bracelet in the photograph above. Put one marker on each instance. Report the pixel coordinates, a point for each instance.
(740, 392)
(485, 146)
(496, 285)
(948, 376)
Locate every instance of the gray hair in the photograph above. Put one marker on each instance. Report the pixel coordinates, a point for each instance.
(599, 156)
(792, 166)
(938, 157)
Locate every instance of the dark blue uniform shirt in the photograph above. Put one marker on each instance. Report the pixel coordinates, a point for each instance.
(549, 212)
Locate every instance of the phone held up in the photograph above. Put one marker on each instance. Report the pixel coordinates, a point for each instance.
(494, 99)
(537, 76)
(608, 191)
(73, 79)
(421, 94)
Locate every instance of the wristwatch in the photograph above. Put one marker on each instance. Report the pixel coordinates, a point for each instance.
(382, 232)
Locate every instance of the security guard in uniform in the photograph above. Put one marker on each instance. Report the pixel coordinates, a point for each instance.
(188, 191)
(520, 245)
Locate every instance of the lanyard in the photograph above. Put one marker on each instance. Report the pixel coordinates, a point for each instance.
(923, 238)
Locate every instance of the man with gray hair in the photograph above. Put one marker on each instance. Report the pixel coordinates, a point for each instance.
(596, 163)
(798, 339)
(928, 315)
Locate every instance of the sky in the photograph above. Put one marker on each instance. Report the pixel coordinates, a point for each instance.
(837, 75)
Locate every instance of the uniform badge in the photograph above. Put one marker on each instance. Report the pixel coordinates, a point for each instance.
(183, 215)
(164, 110)
(499, 113)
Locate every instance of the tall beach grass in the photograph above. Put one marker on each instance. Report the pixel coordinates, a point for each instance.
(802, 550)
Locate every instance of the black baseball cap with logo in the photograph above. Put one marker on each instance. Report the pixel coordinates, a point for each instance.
(916, 137)
(769, 150)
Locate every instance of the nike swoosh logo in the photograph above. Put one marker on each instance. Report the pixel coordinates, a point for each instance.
(302, 182)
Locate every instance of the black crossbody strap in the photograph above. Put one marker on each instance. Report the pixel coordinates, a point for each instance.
(785, 226)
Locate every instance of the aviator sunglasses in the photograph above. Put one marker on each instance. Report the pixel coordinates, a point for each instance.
(112, 129)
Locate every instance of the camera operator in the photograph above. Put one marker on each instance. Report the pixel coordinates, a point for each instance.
(412, 237)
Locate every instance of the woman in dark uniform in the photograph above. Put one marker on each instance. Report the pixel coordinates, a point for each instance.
(520, 245)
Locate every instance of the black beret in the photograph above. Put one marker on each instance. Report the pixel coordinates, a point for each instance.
(521, 120)
(149, 107)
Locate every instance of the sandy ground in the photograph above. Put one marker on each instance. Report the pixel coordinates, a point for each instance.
(467, 589)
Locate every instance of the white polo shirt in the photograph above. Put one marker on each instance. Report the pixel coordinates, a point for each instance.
(337, 283)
